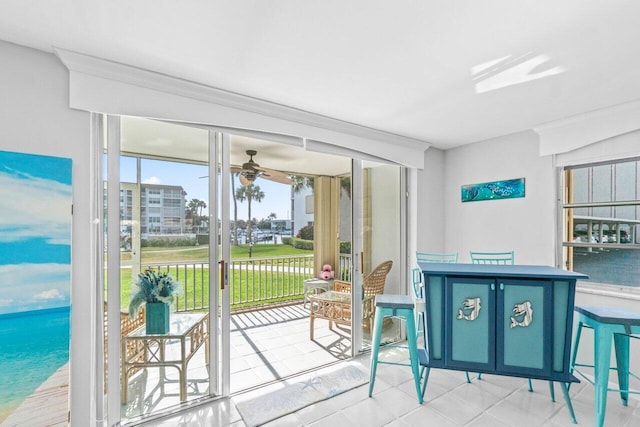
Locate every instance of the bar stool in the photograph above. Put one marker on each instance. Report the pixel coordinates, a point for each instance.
(395, 306)
(608, 324)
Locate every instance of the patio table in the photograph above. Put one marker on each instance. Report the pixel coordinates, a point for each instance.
(331, 305)
(142, 350)
(315, 286)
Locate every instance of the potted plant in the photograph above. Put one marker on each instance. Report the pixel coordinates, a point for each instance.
(157, 290)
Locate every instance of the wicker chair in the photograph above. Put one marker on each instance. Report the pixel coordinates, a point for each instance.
(127, 324)
(372, 285)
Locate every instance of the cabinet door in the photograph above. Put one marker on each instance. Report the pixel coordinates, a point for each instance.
(470, 323)
(524, 327)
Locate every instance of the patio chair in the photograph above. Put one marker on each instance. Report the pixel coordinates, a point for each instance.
(505, 258)
(127, 324)
(451, 258)
(372, 285)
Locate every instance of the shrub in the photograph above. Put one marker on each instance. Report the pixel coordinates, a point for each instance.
(345, 247)
(287, 241)
(167, 242)
(306, 232)
(303, 244)
(345, 274)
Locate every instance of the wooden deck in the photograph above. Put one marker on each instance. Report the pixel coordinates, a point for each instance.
(48, 406)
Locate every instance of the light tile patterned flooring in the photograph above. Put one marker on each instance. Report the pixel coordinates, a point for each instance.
(494, 401)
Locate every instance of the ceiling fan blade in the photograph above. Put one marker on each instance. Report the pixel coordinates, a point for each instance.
(271, 172)
(244, 180)
(274, 175)
(279, 179)
(236, 169)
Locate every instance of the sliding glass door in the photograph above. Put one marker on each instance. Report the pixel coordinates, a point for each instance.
(379, 245)
(244, 320)
(162, 268)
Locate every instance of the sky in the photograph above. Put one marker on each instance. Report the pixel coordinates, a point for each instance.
(194, 180)
(35, 232)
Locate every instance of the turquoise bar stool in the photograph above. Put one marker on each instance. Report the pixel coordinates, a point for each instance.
(395, 306)
(608, 324)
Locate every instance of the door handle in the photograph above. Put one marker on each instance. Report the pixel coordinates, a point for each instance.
(221, 265)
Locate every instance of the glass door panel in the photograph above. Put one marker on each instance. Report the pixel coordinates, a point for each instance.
(162, 239)
(380, 210)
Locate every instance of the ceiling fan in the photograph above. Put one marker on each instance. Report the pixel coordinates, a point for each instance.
(252, 170)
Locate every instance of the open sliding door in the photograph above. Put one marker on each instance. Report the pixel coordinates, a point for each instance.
(378, 230)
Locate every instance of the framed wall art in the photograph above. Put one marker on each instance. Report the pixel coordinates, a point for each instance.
(506, 189)
(35, 288)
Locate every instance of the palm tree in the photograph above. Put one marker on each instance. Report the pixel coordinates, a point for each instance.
(301, 181)
(249, 193)
(192, 211)
(201, 205)
(235, 207)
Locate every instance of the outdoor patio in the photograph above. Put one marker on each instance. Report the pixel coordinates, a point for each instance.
(266, 345)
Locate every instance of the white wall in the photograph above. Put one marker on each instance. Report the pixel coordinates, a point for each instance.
(300, 216)
(35, 118)
(525, 225)
(430, 204)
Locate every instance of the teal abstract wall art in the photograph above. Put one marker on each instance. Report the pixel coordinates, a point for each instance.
(507, 189)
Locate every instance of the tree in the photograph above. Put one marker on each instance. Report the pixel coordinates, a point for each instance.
(249, 193)
(194, 209)
(300, 182)
(201, 205)
(234, 175)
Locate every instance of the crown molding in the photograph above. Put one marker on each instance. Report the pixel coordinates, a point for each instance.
(91, 65)
(572, 133)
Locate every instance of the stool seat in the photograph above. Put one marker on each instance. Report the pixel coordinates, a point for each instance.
(395, 306)
(394, 301)
(609, 324)
(616, 315)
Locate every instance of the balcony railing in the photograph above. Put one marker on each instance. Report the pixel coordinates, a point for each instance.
(253, 281)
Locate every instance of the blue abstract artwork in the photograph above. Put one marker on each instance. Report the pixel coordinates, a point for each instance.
(506, 189)
(35, 285)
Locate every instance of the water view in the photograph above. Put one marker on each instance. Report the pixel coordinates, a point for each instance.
(33, 345)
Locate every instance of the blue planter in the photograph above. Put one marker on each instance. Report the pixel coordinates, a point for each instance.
(157, 318)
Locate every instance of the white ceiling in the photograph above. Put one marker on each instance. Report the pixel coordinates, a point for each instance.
(446, 72)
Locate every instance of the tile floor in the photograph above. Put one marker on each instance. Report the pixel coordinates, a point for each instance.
(269, 345)
(449, 401)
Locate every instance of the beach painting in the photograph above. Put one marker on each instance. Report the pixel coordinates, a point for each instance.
(506, 189)
(35, 285)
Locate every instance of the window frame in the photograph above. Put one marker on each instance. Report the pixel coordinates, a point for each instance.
(567, 207)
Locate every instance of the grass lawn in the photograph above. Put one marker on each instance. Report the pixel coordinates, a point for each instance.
(201, 253)
(248, 285)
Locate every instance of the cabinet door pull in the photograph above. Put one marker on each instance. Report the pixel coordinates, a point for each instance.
(501, 286)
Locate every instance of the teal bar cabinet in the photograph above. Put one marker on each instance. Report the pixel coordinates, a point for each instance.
(513, 320)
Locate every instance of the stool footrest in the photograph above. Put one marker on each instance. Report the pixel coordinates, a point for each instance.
(590, 381)
(381, 362)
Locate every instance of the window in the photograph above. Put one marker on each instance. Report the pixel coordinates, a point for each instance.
(602, 221)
